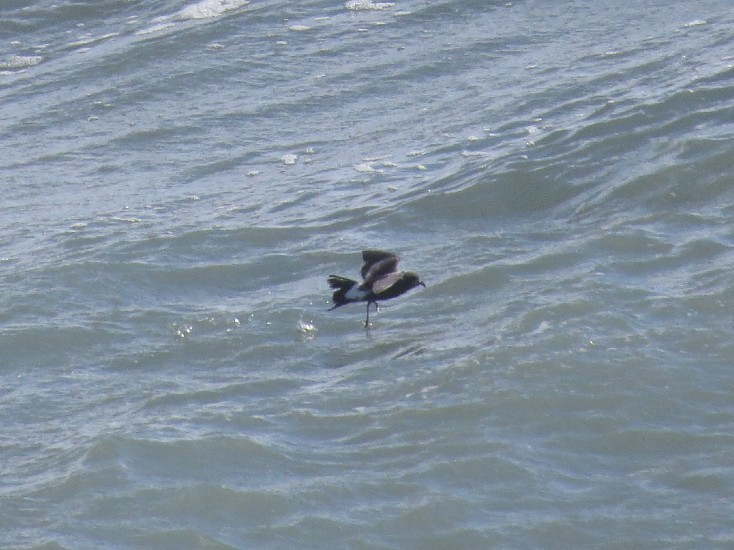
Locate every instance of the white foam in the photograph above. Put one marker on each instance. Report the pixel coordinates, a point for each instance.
(368, 5)
(20, 61)
(210, 8)
(365, 168)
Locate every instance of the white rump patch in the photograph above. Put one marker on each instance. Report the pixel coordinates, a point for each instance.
(355, 294)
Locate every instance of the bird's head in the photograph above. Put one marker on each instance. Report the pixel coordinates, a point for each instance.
(414, 280)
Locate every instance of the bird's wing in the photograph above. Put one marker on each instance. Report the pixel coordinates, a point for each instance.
(379, 270)
(377, 263)
(382, 284)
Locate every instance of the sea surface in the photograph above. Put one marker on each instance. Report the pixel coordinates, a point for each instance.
(178, 178)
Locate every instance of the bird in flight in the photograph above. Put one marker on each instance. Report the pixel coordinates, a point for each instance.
(381, 281)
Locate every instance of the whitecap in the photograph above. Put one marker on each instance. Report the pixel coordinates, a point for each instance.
(210, 8)
(20, 61)
(368, 5)
(365, 168)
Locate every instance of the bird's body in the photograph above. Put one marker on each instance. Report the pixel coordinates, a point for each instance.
(382, 281)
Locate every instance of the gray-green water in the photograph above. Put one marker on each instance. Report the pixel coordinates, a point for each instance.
(178, 180)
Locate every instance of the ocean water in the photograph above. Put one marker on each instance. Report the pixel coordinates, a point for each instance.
(180, 177)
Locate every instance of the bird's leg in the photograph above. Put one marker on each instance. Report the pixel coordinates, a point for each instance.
(367, 321)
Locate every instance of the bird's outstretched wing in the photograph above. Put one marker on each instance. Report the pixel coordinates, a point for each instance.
(377, 264)
(385, 282)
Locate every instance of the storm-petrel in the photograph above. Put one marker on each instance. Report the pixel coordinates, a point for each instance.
(382, 281)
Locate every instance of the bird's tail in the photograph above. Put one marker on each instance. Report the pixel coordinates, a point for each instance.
(342, 284)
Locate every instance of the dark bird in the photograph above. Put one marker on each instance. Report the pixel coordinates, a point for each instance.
(382, 281)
